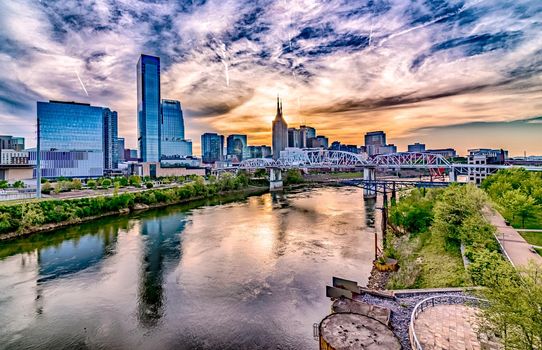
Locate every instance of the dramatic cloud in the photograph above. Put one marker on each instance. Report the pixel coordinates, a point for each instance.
(417, 69)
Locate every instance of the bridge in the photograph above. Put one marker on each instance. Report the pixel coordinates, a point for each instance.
(340, 160)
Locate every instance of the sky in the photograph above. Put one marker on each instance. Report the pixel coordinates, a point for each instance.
(457, 74)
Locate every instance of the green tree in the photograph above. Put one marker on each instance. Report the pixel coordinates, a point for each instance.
(260, 173)
(4, 184)
(293, 176)
(518, 204)
(134, 181)
(514, 310)
(149, 184)
(58, 187)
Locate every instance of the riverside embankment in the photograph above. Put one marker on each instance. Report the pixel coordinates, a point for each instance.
(26, 218)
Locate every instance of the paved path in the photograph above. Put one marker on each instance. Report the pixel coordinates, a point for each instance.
(515, 247)
(449, 327)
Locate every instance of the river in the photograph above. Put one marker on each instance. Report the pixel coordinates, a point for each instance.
(244, 274)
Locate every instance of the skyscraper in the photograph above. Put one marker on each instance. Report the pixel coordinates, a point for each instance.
(72, 139)
(148, 107)
(373, 141)
(305, 133)
(294, 138)
(120, 148)
(280, 132)
(110, 130)
(237, 146)
(173, 146)
(212, 147)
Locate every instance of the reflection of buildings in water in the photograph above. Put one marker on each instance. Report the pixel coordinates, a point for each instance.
(77, 254)
(162, 248)
(370, 208)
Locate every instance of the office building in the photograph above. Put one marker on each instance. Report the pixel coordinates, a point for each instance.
(130, 155)
(262, 151)
(417, 147)
(445, 152)
(387, 149)
(266, 151)
(237, 147)
(120, 148)
(373, 141)
(498, 155)
(148, 108)
(294, 138)
(280, 132)
(111, 148)
(337, 146)
(11, 142)
(173, 145)
(73, 138)
(212, 147)
(305, 133)
(13, 157)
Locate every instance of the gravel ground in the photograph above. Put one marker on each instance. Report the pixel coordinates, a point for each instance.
(401, 309)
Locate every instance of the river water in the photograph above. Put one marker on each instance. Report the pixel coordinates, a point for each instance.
(246, 274)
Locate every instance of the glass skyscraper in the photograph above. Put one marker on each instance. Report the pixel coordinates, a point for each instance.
(172, 143)
(120, 148)
(148, 107)
(237, 146)
(110, 129)
(212, 146)
(76, 139)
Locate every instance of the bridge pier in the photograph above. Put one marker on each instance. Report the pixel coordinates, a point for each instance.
(275, 179)
(369, 175)
(453, 175)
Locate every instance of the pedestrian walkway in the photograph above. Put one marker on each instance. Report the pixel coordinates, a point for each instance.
(516, 248)
(450, 327)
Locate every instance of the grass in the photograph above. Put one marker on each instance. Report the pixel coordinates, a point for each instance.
(425, 263)
(539, 251)
(345, 175)
(534, 238)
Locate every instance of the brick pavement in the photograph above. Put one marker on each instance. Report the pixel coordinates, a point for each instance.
(449, 327)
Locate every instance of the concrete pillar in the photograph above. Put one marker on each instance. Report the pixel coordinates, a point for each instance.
(369, 176)
(275, 179)
(453, 175)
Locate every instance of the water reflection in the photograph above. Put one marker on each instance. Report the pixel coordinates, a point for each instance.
(161, 240)
(247, 274)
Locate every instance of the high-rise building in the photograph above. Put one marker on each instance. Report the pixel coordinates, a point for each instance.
(173, 145)
(373, 141)
(280, 132)
(212, 147)
(417, 147)
(237, 147)
(111, 148)
(306, 133)
(11, 142)
(294, 138)
(148, 108)
(121, 144)
(72, 138)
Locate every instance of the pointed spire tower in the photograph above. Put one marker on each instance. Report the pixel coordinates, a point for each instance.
(280, 131)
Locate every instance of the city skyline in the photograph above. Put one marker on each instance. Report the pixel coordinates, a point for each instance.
(456, 74)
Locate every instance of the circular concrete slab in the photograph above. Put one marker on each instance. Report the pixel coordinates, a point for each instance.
(351, 331)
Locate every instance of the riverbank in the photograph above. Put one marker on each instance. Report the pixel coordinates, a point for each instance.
(28, 218)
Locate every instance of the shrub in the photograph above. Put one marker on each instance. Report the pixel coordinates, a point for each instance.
(149, 185)
(18, 184)
(106, 183)
(92, 184)
(134, 181)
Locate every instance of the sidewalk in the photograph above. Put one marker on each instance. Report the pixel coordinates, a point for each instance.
(514, 246)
